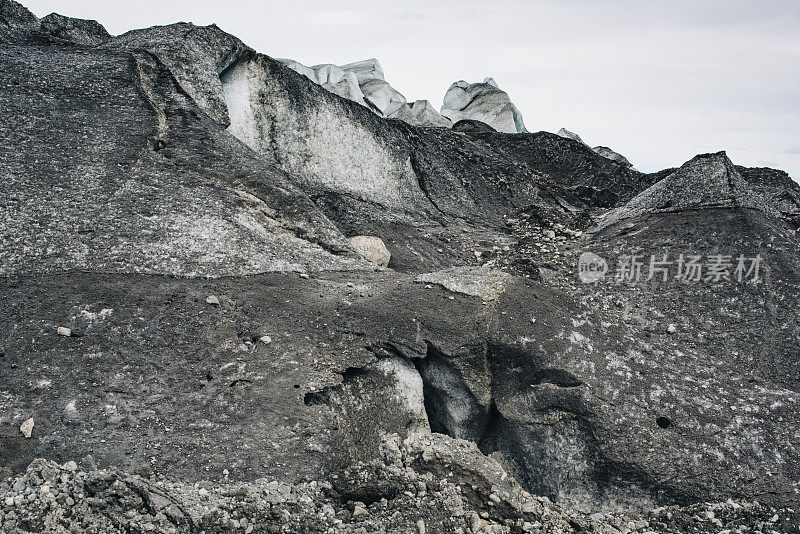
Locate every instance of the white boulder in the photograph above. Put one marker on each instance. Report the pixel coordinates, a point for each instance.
(484, 102)
(27, 428)
(372, 249)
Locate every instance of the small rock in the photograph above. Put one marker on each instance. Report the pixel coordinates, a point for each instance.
(421, 526)
(475, 522)
(70, 466)
(266, 340)
(63, 331)
(304, 276)
(27, 427)
(671, 329)
(360, 511)
(213, 300)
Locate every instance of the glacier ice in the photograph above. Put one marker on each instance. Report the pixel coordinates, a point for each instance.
(484, 102)
(382, 96)
(563, 132)
(599, 150)
(368, 69)
(364, 82)
(427, 115)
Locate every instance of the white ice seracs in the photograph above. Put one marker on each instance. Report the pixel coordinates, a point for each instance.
(368, 69)
(426, 114)
(382, 96)
(484, 102)
(331, 77)
(563, 132)
(364, 82)
(600, 150)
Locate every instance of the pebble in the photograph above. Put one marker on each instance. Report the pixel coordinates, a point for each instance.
(360, 511)
(213, 300)
(27, 427)
(70, 466)
(475, 522)
(266, 340)
(63, 331)
(672, 329)
(421, 526)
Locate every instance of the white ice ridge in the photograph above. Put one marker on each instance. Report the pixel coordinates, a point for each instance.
(600, 150)
(484, 102)
(364, 82)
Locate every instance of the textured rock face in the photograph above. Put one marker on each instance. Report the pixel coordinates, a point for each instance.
(195, 56)
(178, 204)
(483, 102)
(80, 31)
(21, 26)
(122, 188)
(18, 24)
(707, 181)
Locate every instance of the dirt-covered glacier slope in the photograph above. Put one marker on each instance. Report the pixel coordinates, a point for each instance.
(180, 205)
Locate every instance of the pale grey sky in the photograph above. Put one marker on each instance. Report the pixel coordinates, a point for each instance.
(657, 80)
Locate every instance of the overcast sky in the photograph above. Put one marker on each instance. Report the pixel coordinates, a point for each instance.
(658, 81)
